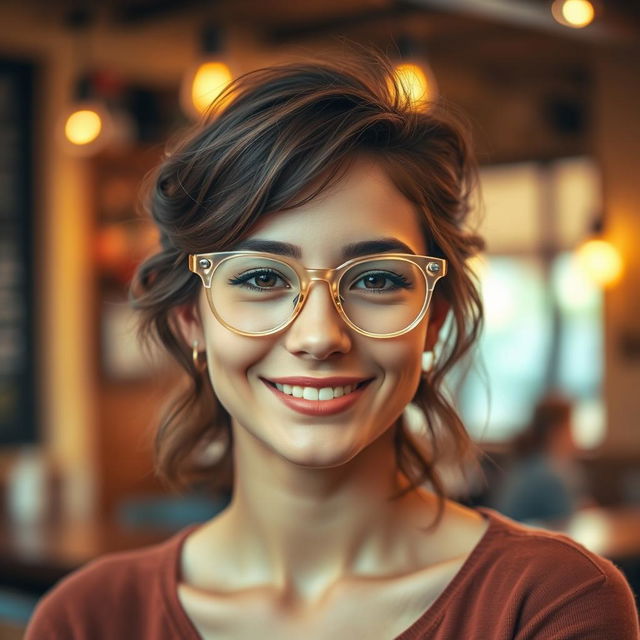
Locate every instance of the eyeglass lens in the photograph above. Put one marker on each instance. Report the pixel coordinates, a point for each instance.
(258, 294)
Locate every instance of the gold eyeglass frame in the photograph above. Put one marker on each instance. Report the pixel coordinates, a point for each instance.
(432, 269)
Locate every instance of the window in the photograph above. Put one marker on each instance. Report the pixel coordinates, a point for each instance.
(543, 316)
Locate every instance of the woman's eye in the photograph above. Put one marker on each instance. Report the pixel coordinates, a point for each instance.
(381, 282)
(260, 280)
(375, 281)
(266, 280)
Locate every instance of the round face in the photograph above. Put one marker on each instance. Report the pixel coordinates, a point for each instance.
(369, 380)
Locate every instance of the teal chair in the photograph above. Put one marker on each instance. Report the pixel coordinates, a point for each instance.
(170, 513)
(16, 607)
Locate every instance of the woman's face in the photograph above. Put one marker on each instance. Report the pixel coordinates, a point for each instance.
(363, 206)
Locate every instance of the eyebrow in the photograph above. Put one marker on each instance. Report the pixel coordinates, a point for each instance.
(352, 250)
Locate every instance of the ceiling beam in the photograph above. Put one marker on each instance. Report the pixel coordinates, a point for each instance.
(135, 13)
(342, 23)
(524, 13)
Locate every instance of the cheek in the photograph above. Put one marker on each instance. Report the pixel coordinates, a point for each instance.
(401, 360)
(227, 352)
(229, 357)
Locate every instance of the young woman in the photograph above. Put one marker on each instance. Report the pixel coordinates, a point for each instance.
(314, 242)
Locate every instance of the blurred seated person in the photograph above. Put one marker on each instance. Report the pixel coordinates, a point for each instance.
(544, 482)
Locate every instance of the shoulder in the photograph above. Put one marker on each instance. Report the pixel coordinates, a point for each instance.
(553, 578)
(537, 550)
(104, 591)
(111, 573)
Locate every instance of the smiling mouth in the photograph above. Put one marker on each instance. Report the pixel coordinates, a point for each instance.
(317, 393)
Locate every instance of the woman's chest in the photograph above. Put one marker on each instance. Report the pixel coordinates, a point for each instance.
(376, 609)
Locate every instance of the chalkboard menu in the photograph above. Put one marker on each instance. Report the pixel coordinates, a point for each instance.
(17, 327)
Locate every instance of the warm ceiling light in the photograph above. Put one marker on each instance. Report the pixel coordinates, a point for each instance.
(86, 128)
(413, 75)
(89, 124)
(83, 126)
(601, 261)
(419, 85)
(413, 80)
(573, 13)
(208, 78)
(208, 82)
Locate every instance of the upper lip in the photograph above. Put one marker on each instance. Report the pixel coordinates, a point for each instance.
(319, 383)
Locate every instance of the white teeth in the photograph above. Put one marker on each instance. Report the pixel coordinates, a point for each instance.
(310, 393)
(313, 393)
(326, 393)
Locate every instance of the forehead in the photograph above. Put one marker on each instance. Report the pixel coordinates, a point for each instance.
(364, 205)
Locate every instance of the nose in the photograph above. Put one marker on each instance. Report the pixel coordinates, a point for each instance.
(318, 331)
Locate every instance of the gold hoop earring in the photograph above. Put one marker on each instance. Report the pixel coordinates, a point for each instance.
(195, 356)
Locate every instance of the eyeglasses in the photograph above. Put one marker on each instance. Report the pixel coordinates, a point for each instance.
(257, 294)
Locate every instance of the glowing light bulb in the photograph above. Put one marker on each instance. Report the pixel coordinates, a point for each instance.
(83, 126)
(573, 13)
(415, 82)
(88, 127)
(204, 86)
(601, 261)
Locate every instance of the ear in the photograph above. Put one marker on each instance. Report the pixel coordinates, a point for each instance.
(189, 324)
(438, 311)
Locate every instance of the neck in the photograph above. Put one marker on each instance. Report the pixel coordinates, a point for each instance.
(302, 528)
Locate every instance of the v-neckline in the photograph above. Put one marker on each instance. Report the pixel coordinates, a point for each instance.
(170, 575)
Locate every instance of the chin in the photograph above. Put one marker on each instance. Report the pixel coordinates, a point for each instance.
(322, 451)
(311, 457)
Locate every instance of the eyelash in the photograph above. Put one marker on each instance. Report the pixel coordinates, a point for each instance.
(398, 280)
(243, 278)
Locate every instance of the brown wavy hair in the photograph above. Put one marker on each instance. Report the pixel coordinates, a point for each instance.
(274, 140)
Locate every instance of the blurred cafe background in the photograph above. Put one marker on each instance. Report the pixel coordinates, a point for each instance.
(89, 93)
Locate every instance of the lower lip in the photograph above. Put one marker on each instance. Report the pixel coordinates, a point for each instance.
(318, 407)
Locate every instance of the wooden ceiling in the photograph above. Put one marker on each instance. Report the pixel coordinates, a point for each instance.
(284, 20)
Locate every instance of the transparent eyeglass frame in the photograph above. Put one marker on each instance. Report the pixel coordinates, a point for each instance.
(432, 269)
